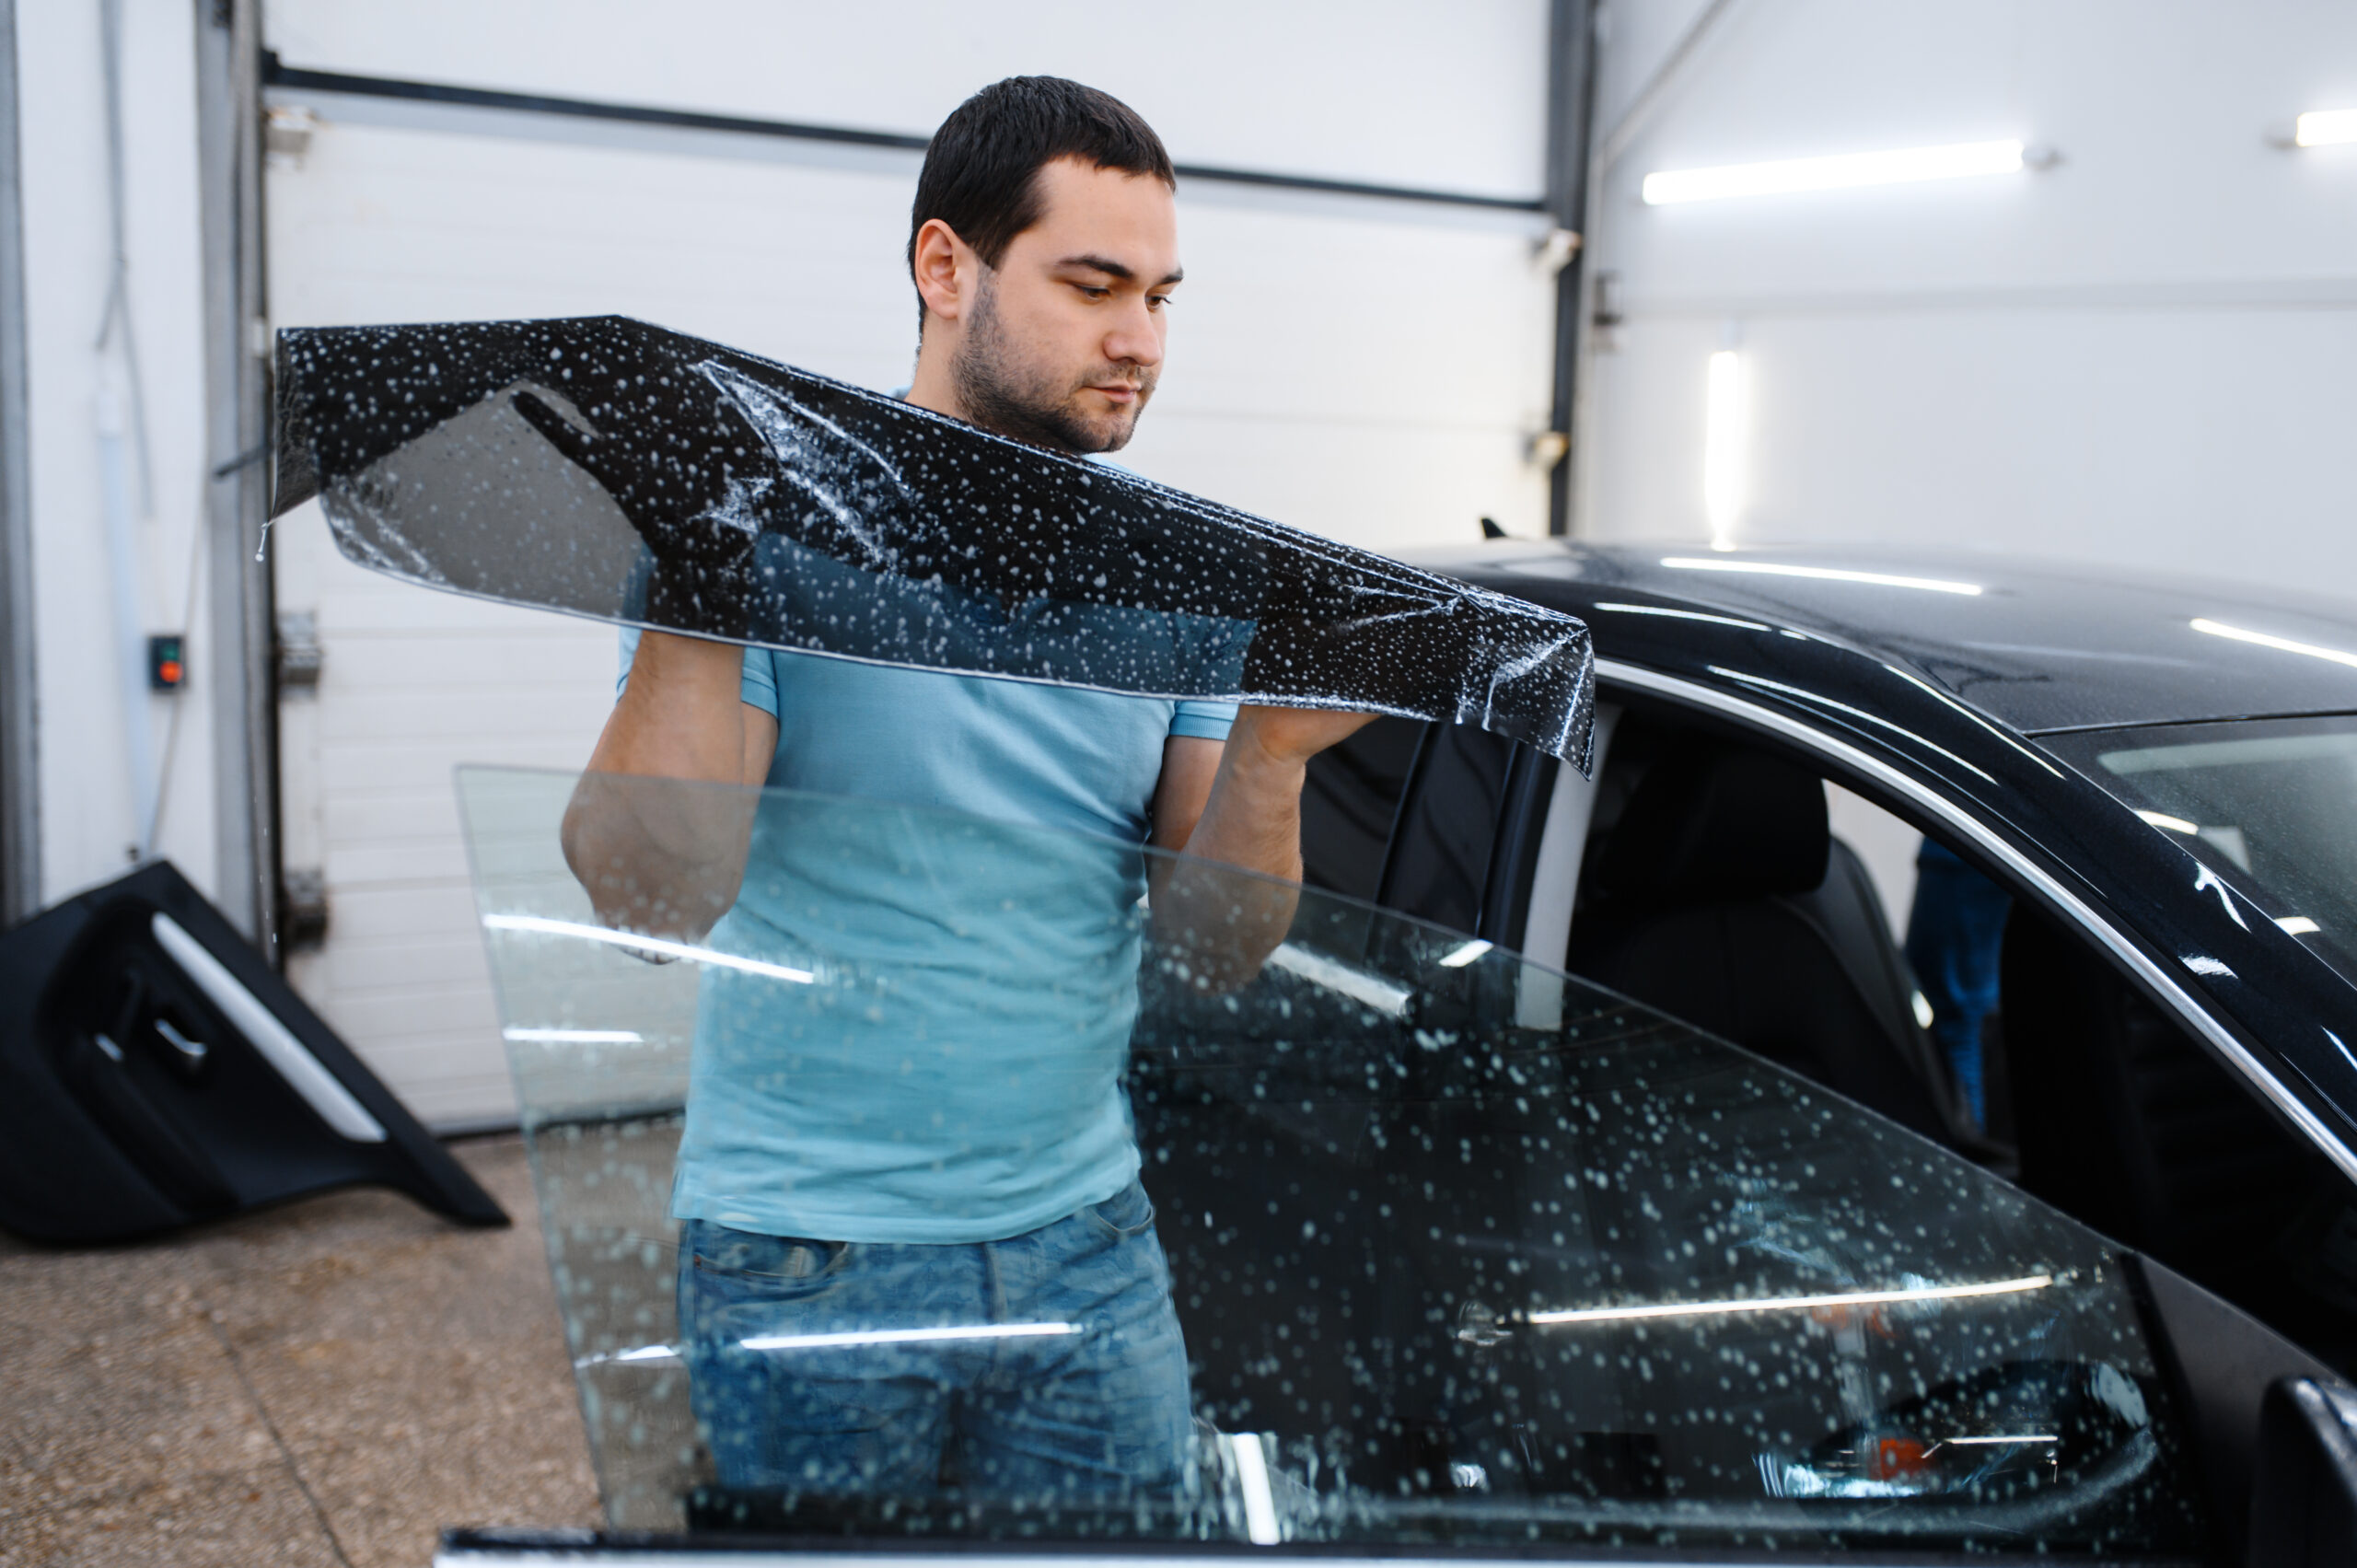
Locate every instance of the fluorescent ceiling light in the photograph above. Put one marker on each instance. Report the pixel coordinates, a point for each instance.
(2325, 128)
(667, 1356)
(1464, 953)
(2174, 824)
(2298, 926)
(1902, 165)
(1385, 996)
(1252, 1481)
(2285, 644)
(1793, 1303)
(634, 941)
(1822, 574)
(909, 1336)
(576, 1036)
(1726, 439)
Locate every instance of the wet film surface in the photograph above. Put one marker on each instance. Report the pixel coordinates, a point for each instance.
(612, 469)
(1423, 1246)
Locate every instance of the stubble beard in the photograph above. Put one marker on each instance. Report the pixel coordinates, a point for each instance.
(1012, 396)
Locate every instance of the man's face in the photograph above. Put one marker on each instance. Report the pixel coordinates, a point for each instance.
(1065, 338)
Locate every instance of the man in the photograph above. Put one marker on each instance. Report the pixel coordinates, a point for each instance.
(822, 1195)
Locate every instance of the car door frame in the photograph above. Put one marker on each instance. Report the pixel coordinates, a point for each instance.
(1880, 777)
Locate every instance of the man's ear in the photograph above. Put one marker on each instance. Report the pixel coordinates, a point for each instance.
(946, 270)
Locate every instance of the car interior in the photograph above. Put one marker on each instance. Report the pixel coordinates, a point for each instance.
(1708, 882)
(1715, 890)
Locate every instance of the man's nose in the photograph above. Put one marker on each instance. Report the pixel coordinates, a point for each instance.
(1135, 337)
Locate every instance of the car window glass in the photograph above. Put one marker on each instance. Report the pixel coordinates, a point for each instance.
(2265, 803)
(2050, 1069)
(1886, 844)
(1417, 1273)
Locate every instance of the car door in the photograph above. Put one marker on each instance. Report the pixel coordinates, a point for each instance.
(2113, 1109)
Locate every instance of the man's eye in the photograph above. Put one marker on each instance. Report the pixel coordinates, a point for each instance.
(1093, 292)
(1156, 301)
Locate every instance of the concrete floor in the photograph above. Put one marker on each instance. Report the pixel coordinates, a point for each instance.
(329, 1383)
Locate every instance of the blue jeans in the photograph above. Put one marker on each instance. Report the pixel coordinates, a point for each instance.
(1048, 1365)
(1956, 935)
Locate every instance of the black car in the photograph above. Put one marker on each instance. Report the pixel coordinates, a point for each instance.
(1492, 1256)
(2159, 774)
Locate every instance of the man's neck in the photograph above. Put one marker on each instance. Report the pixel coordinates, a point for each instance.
(932, 387)
(935, 387)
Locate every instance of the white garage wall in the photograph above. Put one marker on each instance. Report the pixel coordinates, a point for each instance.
(87, 820)
(1393, 92)
(2140, 353)
(1370, 369)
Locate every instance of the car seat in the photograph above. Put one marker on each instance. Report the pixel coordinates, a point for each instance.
(1720, 897)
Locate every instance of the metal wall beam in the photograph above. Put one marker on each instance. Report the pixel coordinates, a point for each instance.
(245, 709)
(20, 892)
(1570, 114)
(297, 78)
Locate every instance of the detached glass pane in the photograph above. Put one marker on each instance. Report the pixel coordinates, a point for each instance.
(1182, 1204)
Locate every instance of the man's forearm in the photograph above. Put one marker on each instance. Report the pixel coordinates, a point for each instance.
(657, 827)
(1253, 818)
(1253, 821)
(681, 716)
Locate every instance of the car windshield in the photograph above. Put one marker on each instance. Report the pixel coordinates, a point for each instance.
(2266, 803)
(1141, 1199)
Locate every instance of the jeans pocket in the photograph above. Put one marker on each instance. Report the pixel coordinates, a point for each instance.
(1126, 1213)
(777, 1263)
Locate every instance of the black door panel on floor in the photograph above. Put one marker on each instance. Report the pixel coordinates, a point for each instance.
(154, 1073)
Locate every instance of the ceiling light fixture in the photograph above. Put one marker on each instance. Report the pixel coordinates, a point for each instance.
(1727, 436)
(2325, 128)
(1899, 167)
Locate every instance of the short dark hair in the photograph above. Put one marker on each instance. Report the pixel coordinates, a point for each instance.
(982, 169)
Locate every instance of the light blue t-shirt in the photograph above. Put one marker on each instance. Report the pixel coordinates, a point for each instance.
(952, 1074)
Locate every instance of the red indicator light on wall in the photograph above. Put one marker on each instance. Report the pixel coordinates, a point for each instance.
(167, 669)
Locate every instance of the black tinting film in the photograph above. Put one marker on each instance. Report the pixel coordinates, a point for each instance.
(607, 468)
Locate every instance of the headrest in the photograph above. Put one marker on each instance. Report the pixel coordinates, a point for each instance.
(1711, 822)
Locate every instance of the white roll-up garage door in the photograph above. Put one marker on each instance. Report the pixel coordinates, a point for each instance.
(1370, 368)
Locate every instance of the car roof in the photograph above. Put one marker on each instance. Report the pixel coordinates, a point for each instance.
(2038, 648)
